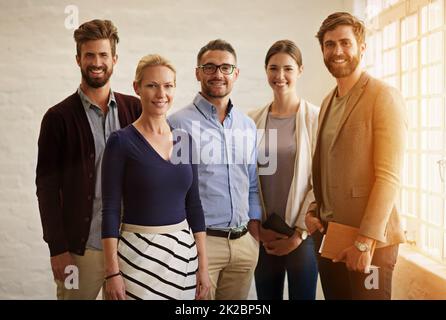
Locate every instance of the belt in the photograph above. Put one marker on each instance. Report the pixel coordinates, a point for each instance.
(155, 229)
(232, 234)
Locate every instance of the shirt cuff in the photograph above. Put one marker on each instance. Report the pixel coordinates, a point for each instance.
(255, 212)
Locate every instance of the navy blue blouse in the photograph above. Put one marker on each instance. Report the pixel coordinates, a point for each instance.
(154, 191)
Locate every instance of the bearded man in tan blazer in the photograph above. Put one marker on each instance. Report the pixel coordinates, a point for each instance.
(356, 166)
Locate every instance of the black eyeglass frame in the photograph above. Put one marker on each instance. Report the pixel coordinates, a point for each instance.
(233, 67)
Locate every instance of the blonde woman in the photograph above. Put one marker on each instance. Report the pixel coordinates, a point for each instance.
(161, 250)
(287, 193)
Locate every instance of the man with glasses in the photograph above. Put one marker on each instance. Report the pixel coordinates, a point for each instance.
(225, 150)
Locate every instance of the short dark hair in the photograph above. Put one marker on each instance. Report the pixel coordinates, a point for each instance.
(284, 46)
(96, 30)
(345, 19)
(217, 44)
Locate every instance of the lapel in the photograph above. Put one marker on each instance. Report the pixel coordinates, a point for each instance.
(261, 123)
(324, 108)
(352, 102)
(316, 159)
(123, 113)
(302, 147)
(82, 121)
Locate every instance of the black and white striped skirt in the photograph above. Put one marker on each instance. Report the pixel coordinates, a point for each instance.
(158, 263)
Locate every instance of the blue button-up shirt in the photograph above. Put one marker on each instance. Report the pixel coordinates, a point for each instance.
(226, 156)
(101, 127)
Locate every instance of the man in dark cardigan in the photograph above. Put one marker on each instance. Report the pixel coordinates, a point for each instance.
(72, 139)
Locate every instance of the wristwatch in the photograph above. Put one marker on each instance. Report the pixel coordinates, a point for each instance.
(303, 233)
(361, 246)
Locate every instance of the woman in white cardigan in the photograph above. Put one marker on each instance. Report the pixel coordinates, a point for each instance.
(287, 192)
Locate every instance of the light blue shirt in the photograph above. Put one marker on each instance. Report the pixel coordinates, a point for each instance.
(226, 164)
(101, 127)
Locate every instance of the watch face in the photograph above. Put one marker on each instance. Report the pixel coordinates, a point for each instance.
(362, 246)
(304, 235)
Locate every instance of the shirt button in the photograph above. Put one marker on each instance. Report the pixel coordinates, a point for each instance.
(91, 155)
(90, 175)
(82, 239)
(89, 198)
(87, 219)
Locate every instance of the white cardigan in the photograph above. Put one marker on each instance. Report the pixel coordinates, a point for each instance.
(301, 190)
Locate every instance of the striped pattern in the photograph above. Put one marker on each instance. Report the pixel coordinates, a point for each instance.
(158, 266)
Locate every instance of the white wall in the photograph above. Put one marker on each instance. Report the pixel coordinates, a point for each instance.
(38, 69)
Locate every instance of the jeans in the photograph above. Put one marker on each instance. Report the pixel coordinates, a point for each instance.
(300, 266)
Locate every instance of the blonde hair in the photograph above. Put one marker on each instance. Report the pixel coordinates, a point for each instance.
(151, 60)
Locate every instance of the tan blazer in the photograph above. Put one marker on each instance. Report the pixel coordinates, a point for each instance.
(366, 157)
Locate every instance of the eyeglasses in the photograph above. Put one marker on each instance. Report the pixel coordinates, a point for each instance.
(210, 68)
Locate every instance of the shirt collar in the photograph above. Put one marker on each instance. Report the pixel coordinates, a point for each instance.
(86, 102)
(207, 109)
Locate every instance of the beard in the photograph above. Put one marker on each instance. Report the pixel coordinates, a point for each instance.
(96, 82)
(213, 92)
(345, 70)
